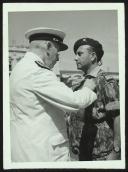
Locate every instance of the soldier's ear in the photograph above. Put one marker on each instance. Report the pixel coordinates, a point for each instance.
(93, 57)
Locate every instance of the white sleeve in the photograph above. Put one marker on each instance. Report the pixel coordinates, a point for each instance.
(47, 87)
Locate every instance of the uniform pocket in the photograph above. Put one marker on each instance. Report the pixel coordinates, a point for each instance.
(59, 148)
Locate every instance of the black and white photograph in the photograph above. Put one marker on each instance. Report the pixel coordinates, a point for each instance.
(63, 85)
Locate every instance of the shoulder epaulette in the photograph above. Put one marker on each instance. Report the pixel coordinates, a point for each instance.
(41, 65)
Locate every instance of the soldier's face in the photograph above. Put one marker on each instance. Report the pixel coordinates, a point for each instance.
(83, 57)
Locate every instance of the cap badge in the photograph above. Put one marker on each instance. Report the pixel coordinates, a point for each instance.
(55, 39)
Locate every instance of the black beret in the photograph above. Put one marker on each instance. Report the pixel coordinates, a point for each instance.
(97, 47)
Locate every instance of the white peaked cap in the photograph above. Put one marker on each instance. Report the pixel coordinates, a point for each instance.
(44, 33)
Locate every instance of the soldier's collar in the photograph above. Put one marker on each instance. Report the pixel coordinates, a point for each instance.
(94, 72)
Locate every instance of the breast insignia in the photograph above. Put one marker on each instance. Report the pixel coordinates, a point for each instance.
(40, 64)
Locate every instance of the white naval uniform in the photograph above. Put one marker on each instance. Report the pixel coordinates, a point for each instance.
(38, 102)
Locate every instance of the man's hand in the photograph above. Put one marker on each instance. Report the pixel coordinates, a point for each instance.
(90, 83)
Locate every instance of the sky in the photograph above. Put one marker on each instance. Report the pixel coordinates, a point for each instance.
(97, 24)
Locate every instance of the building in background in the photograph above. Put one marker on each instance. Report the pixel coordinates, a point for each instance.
(16, 53)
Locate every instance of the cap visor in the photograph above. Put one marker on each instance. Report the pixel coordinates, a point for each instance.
(63, 47)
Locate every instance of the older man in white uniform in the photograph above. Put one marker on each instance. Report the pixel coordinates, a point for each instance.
(38, 101)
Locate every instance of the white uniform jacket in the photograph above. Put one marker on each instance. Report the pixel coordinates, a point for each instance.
(37, 103)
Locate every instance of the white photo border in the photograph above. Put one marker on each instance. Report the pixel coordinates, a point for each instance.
(20, 7)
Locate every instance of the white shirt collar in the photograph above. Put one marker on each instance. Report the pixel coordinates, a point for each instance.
(33, 56)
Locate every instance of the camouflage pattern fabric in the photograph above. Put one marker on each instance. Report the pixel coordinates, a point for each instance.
(108, 93)
(97, 141)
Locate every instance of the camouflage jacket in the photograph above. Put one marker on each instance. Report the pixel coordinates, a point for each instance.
(107, 90)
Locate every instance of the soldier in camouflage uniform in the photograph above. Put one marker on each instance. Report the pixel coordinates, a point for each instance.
(100, 139)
